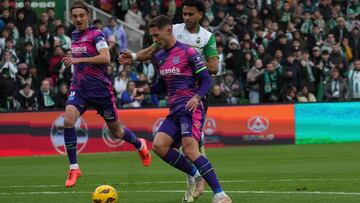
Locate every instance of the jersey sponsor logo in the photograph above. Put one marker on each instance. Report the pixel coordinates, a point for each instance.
(72, 96)
(79, 50)
(57, 134)
(170, 71)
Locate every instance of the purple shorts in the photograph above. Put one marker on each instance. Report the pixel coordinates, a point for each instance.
(186, 125)
(101, 99)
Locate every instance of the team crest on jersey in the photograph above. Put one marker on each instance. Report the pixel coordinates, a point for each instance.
(176, 60)
(198, 40)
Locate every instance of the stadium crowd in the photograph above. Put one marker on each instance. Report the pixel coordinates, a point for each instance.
(270, 51)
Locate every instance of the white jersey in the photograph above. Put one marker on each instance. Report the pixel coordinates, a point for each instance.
(354, 80)
(203, 41)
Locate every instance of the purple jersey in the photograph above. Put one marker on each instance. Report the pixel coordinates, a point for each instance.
(88, 76)
(178, 67)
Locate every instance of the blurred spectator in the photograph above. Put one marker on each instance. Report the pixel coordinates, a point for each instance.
(51, 13)
(110, 73)
(15, 35)
(7, 89)
(5, 34)
(20, 23)
(64, 73)
(55, 64)
(253, 84)
(23, 76)
(46, 98)
(126, 100)
(114, 52)
(9, 46)
(148, 70)
(35, 79)
(120, 83)
(231, 88)
(25, 99)
(7, 63)
(134, 17)
(336, 87)
(354, 80)
(29, 56)
(29, 15)
(118, 31)
(355, 42)
(324, 67)
(65, 41)
(290, 96)
(216, 96)
(98, 24)
(62, 96)
(6, 16)
(233, 59)
(305, 95)
(307, 71)
(44, 19)
(291, 71)
(340, 30)
(29, 37)
(270, 84)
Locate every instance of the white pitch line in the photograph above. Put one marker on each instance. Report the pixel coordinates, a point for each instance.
(181, 191)
(181, 182)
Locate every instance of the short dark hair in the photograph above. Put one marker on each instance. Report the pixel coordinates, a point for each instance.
(160, 21)
(79, 4)
(199, 4)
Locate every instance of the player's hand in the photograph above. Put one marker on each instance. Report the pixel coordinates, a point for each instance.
(125, 58)
(137, 93)
(68, 61)
(193, 103)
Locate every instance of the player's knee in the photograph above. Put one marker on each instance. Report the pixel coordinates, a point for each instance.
(160, 149)
(190, 152)
(69, 122)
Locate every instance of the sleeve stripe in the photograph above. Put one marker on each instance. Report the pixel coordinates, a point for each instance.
(200, 69)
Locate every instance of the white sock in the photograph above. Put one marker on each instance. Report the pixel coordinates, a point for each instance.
(220, 194)
(74, 166)
(190, 179)
(197, 175)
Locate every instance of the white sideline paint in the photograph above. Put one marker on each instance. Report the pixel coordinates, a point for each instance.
(181, 191)
(181, 182)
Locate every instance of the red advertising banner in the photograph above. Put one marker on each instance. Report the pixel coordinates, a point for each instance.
(41, 133)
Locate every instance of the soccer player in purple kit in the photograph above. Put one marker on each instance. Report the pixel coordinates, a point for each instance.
(185, 78)
(91, 86)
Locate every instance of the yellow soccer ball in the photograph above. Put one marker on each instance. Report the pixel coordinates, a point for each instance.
(105, 194)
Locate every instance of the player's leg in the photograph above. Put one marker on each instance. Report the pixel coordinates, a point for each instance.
(162, 146)
(127, 135)
(191, 136)
(191, 150)
(71, 115)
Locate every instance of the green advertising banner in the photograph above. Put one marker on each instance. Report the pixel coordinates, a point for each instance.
(321, 123)
(40, 6)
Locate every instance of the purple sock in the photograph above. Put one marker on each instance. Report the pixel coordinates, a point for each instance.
(131, 138)
(178, 161)
(70, 144)
(207, 172)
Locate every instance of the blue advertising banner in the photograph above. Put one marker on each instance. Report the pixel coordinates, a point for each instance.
(327, 122)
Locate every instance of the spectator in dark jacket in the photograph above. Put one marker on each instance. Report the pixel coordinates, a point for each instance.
(7, 89)
(30, 15)
(62, 96)
(217, 97)
(25, 99)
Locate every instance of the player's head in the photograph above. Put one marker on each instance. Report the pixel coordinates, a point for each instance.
(80, 15)
(160, 29)
(193, 12)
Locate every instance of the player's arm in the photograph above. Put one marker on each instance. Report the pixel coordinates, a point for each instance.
(142, 55)
(153, 89)
(204, 81)
(102, 58)
(211, 55)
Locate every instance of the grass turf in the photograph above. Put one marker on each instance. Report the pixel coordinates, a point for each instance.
(291, 173)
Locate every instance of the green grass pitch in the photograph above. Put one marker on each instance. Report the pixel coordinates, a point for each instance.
(291, 173)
